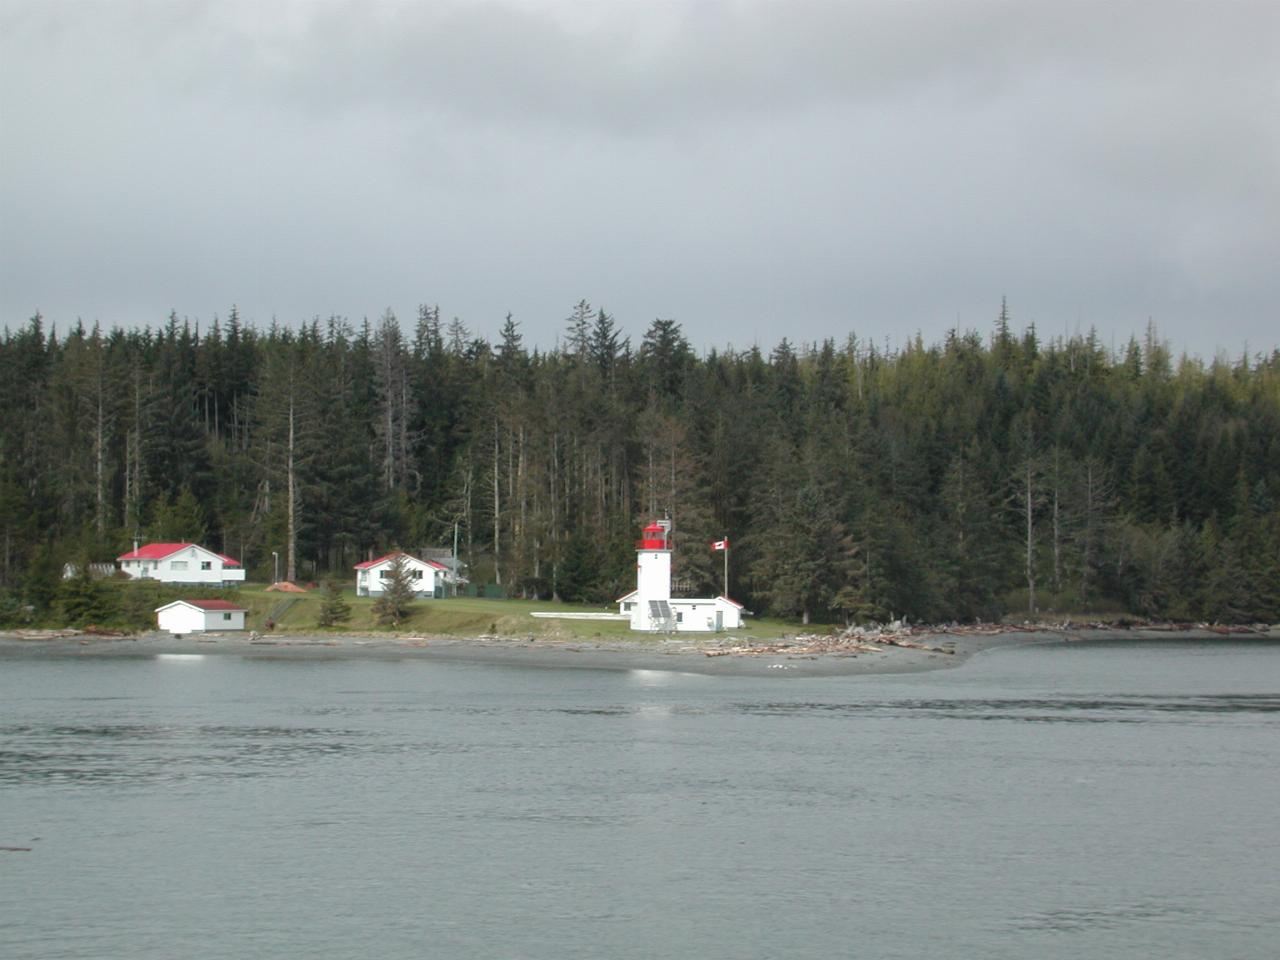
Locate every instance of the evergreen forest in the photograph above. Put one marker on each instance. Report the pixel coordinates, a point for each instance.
(991, 474)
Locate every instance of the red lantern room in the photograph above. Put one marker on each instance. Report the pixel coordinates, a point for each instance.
(657, 536)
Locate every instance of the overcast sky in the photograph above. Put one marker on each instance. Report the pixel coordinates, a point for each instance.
(751, 170)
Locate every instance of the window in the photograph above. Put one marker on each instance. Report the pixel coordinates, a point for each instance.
(206, 564)
(226, 616)
(178, 565)
(679, 618)
(385, 574)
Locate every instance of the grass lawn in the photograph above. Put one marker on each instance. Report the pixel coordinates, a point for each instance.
(460, 616)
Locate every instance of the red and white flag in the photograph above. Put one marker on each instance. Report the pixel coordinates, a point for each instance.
(721, 544)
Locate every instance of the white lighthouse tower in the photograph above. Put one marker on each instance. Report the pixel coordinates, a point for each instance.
(649, 606)
(653, 579)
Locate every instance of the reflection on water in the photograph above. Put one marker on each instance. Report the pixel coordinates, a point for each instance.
(1112, 803)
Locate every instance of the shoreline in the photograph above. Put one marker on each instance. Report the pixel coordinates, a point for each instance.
(678, 655)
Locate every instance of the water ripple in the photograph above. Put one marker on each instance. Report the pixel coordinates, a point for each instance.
(127, 753)
(1105, 917)
(1120, 708)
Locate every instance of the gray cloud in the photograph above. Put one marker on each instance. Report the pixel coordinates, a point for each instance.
(750, 169)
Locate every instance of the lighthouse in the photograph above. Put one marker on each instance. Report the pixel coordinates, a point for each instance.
(653, 562)
(649, 606)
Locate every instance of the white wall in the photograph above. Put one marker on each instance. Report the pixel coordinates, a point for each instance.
(693, 615)
(184, 618)
(653, 576)
(224, 619)
(181, 619)
(369, 582)
(700, 615)
(732, 617)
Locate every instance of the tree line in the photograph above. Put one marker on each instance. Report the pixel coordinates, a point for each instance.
(987, 474)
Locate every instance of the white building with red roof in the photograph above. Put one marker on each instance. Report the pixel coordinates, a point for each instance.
(427, 576)
(181, 563)
(200, 616)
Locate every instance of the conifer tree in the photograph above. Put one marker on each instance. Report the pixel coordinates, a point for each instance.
(1026, 499)
(396, 601)
(43, 579)
(334, 609)
(181, 520)
(84, 600)
(1130, 478)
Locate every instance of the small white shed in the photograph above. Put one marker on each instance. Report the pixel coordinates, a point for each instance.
(197, 616)
(700, 615)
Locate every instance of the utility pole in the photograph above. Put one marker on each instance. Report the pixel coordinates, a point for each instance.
(455, 558)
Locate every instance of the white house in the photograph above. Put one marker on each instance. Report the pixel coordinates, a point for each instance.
(651, 607)
(181, 563)
(197, 616)
(428, 576)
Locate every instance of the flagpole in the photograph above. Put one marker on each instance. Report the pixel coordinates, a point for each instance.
(726, 569)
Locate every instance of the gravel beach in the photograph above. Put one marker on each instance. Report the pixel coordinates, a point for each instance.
(678, 654)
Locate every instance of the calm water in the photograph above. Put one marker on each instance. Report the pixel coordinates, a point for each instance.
(1042, 802)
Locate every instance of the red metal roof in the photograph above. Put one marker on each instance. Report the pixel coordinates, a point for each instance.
(400, 553)
(158, 551)
(373, 563)
(154, 551)
(215, 605)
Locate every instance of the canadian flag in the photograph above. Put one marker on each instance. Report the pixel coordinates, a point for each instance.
(721, 544)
